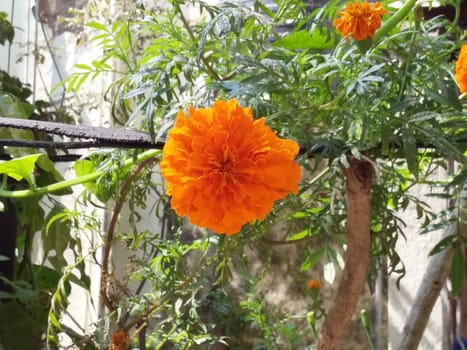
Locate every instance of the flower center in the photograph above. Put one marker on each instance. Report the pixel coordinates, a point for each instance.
(226, 165)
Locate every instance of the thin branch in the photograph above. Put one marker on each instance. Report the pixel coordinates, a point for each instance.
(111, 229)
(72, 182)
(291, 242)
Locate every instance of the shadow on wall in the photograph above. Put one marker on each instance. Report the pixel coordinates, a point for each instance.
(401, 302)
(55, 14)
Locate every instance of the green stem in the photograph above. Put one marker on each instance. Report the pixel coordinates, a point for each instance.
(394, 20)
(407, 66)
(457, 15)
(187, 27)
(72, 182)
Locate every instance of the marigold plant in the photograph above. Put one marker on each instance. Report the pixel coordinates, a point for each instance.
(461, 69)
(224, 169)
(360, 20)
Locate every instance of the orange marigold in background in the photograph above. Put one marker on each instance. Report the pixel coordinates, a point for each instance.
(360, 20)
(461, 69)
(119, 341)
(313, 284)
(223, 169)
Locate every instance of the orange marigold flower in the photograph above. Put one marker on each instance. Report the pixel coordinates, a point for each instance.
(223, 169)
(119, 341)
(461, 69)
(360, 20)
(313, 284)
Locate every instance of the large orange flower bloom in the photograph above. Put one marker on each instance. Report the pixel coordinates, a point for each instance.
(360, 20)
(461, 69)
(223, 169)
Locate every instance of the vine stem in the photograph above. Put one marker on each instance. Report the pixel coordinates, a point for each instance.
(359, 176)
(61, 185)
(394, 20)
(187, 27)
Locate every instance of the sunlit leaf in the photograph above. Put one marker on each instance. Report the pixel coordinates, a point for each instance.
(312, 259)
(303, 39)
(329, 272)
(21, 168)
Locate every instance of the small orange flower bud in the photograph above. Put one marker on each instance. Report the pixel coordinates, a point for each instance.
(313, 284)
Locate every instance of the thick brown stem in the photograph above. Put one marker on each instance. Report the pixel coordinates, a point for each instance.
(358, 198)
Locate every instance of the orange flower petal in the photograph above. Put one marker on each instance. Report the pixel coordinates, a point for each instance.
(223, 169)
(360, 20)
(461, 69)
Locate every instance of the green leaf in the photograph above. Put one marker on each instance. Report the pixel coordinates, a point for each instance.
(48, 174)
(261, 6)
(98, 26)
(457, 271)
(299, 235)
(443, 244)
(312, 259)
(21, 168)
(458, 180)
(99, 188)
(18, 329)
(46, 278)
(12, 107)
(409, 147)
(303, 39)
(7, 31)
(56, 235)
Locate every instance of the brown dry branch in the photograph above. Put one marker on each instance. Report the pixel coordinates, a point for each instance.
(111, 230)
(359, 176)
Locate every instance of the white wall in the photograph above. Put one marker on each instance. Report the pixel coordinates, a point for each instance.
(18, 60)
